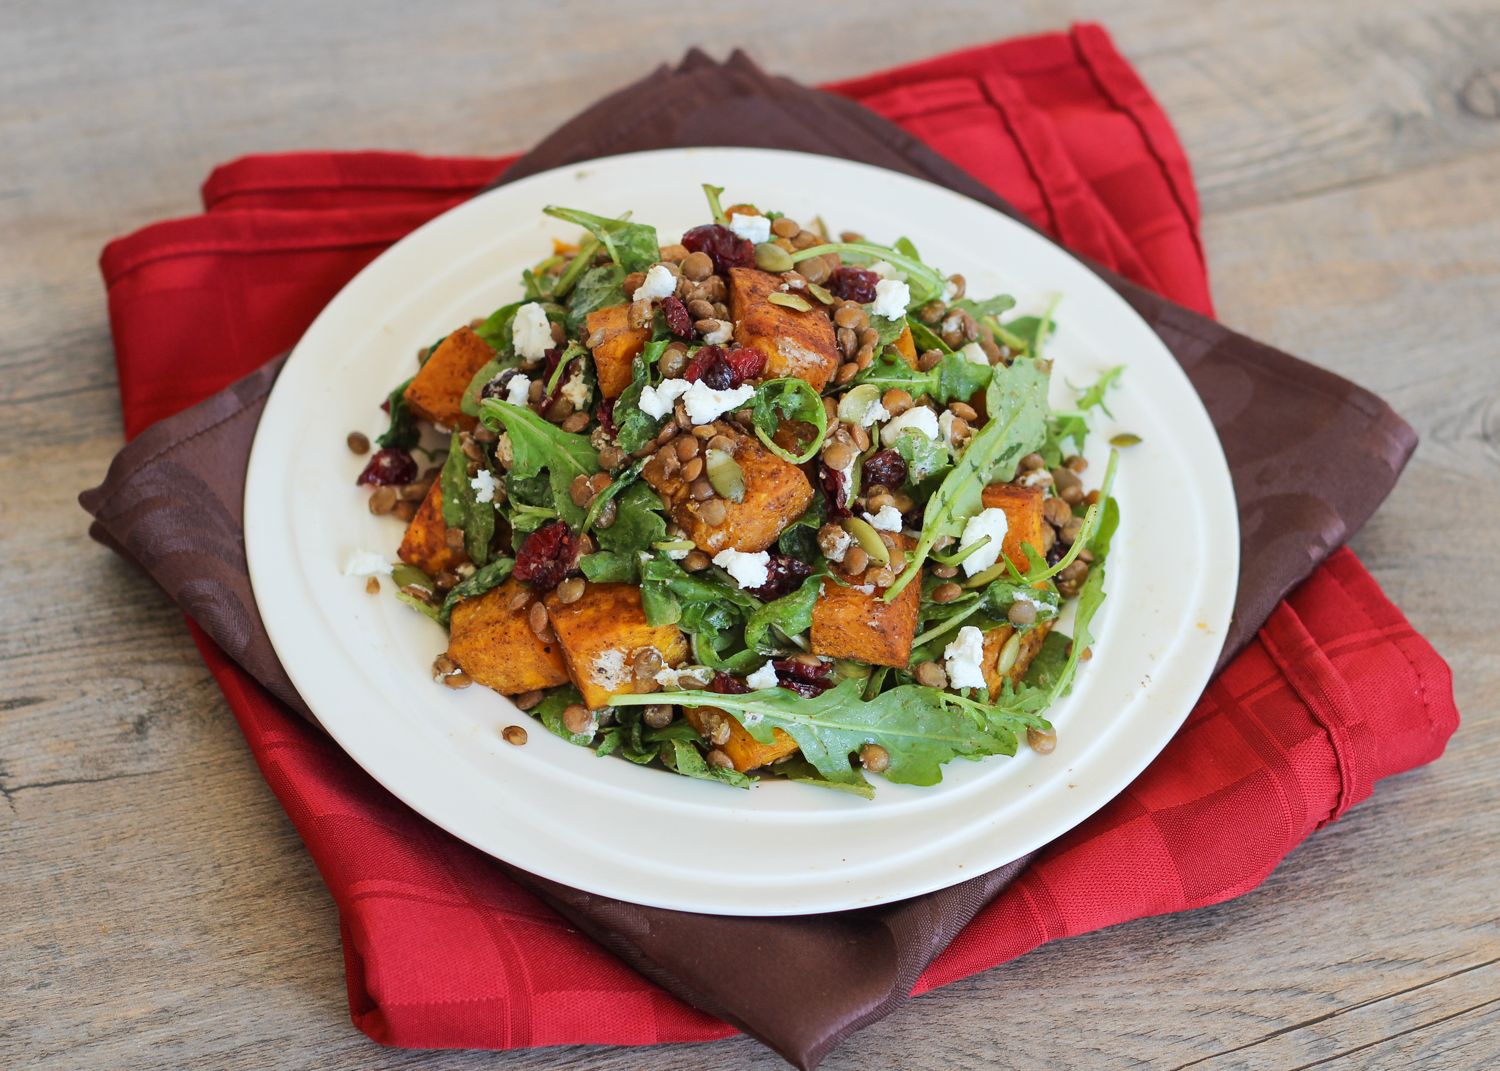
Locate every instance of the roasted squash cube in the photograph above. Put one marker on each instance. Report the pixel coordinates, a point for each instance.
(437, 390)
(850, 623)
(746, 752)
(495, 646)
(776, 494)
(425, 543)
(602, 633)
(795, 343)
(618, 347)
(1023, 518)
(994, 643)
(906, 345)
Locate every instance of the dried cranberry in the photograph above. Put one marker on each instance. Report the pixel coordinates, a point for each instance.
(388, 466)
(784, 575)
(725, 248)
(854, 284)
(709, 365)
(834, 489)
(499, 386)
(1055, 555)
(679, 320)
(806, 680)
(605, 412)
(887, 467)
(746, 363)
(549, 554)
(553, 356)
(725, 684)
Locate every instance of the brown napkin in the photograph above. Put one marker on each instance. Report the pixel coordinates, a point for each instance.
(1311, 456)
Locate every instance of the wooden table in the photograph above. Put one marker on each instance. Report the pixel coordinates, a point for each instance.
(158, 908)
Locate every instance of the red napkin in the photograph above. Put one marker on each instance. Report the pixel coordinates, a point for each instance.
(1335, 692)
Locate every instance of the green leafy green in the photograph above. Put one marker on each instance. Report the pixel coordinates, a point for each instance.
(713, 193)
(469, 403)
(954, 378)
(461, 505)
(638, 520)
(682, 756)
(537, 445)
(597, 288)
(712, 610)
(926, 283)
(924, 457)
(611, 567)
(490, 576)
(788, 399)
(402, 431)
(635, 428)
(1026, 334)
(633, 246)
(925, 338)
(1049, 661)
(550, 711)
(496, 328)
(995, 306)
(800, 538)
(796, 768)
(791, 614)
(1072, 425)
(889, 330)
(422, 606)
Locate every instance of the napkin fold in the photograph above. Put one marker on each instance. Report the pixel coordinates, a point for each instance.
(447, 947)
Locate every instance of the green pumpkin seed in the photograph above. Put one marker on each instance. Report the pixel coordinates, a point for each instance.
(791, 301)
(1008, 654)
(725, 475)
(771, 257)
(409, 576)
(821, 294)
(673, 544)
(847, 669)
(868, 539)
(1125, 438)
(856, 402)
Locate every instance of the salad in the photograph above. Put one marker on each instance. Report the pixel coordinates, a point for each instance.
(759, 503)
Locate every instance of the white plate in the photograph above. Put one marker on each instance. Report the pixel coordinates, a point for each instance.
(644, 835)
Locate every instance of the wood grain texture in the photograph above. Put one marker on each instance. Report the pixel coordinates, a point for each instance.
(159, 909)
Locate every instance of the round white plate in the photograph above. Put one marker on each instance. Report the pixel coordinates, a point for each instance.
(645, 835)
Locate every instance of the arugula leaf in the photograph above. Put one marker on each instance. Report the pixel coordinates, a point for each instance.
(994, 306)
(634, 428)
(1090, 597)
(889, 330)
(713, 193)
(550, 710)
(491, 576)
(683, 757)
(1109, 520)
(1017, 405)
(788, 399)
(796, 768)
(597, 288)
(422, 606)
(633, 246)
(611, 567)
(1065, 425)
(924, 457)
(496, 329)
(469, 403)
(800, 538)
(1047, 664)
(926, 283)
(954, 378)
(1027, 334)
(537, 445)
(402, 432)
(461, 505)
(1094, 395)
(638, 521)
(925, 338)
(906, 247)
(667, 586)
(791, 614)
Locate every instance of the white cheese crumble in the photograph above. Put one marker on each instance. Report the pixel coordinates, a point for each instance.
(865, 589)
(841, 544)
(518, 389)
(918, 417)
(659, 283)
(764, 677)
(754, 228)
(945, 427)
(873, 414)
(705, 405)
(891, 298)
(990, 522)
(680, 553)
(531, 332)
(749, 570)
(576, 390)
(719, 335)
(887, 520)
(974, 352)
(608, 669)
(950, 291)
(887, 270)
(963, 659)
(484, 485)
(658, 401)
(366, 563)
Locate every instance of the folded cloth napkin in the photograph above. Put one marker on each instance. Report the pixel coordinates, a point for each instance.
(444, 946)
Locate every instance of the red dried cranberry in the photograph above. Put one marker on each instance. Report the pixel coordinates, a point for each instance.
(549, 554)
(709, 365)
(783, 574)
(605, 412)
(388, 466)
(887, 467)
(499, 386)
(747, 364)
(725, 684)
(553, 356)
(807, 681)
(725, 248)
(679, 320)
(835, 490)
(854, 284)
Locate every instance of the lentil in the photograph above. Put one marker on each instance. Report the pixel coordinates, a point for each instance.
(513, 734)
(358, 442)
(874, 758)
(458, 680)
(1042, 741)
(896, 401)
(657, 716)
(931, 675)
(577, 719)
(946, 592)
(382, 500)
(372, 586)
(527, 700)
(1021, 613)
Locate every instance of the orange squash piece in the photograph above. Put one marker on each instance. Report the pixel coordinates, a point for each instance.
(425, 543)
(437, 390)
(994, 642)
(495, 646)
(906, 346)
(602, 633)
(746, 752)
(1023, 517)
(795, 343)
(621, 344)
(849, 623)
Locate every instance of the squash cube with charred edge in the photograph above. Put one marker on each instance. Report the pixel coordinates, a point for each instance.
(994, 642)
(621, 344)
(849, 623)
(425, 543)
(495, 646)
(746, 752)
(437, 390)
(776, 494)
(795, 343)
(1023, 519)
(602, 633)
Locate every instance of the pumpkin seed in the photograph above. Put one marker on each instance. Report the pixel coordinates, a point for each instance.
(868, 539)
(846, 669)
(821, 294)
(725, 475)
(409, 576)
(1125, 438)
(771, 257)
(1008, 655)
(856, 402)
(791, 301)
(673, 544)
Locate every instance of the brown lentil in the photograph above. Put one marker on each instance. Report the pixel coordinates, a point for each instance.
(513, 734)
(713, 512)
(695, 561)
(579, 491)
(856, 560)
(686, 447)
(896, 401)
(944, 571)
(372, 586)
(848, 341)
(931, 674)
(1056, 511)
(1042, 741)
(874, 758)
(458, 680)
(382, 500)
(859, 437)
(963, 410)
(864, 357)
(719, 760)
(413, 492)
(692, 468)
(785, 227)
(884, 577)
(527, 700)
(657, 716)
(632, 283)
(847, 372)
(1021, 613)
(404, 511)
(946, 592)
(928, 360)
(815, 270)
(575, 422)
(671, 254)
(1076, 463)
(358, 442)
(577, 719)
(1069, 532)
(645, 665)
(446, 580)
(838, 455)
(1032, 461)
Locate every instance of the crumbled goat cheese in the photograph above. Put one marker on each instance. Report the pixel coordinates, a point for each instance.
(608, 669)
(689, 677)
(990, 522)
(841, 544)
(764, 677)
(1023, 595)
(719, 335)
(705, 405)
(887, 520)
(974, 352)
(873, 414)
(865, 589)
(576, 390)
(945, 427)
(659, 283)
(366, 563)
(484, 485)
(918, 417)
(755, 228)
(963, 659)
(891, 298)
(680, 553)
(749, 570)
(950, 291)
(531, 332)
(887, 270)
(517, 389)
(658, 401)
